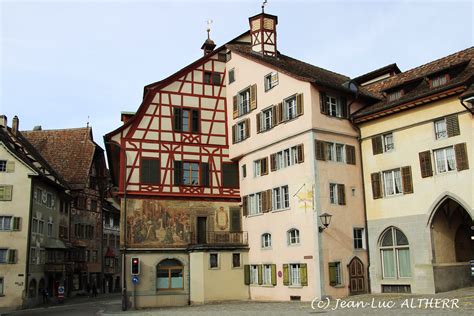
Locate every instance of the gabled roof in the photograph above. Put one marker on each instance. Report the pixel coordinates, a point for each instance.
(463, 64)
(69, 151)
(389, 69)
(20, 147)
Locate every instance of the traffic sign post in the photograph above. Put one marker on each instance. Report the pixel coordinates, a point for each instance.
(61, 294)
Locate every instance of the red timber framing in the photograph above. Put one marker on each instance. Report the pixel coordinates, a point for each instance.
(151, 134)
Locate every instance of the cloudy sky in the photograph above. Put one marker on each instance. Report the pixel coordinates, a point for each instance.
(63, 63)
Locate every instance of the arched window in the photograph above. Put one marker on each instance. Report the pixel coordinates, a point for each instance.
(266, 240)
(169, 275)
(293, 236)
(32, 288)
(395, 254)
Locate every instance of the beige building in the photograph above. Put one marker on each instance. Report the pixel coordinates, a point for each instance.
(417, 145)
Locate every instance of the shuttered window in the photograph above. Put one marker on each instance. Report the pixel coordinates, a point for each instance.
(377, 146)
(205, 174)
(350, 155)
(337, 194)
(320, 150)
(425, 164)
(407, 180)
(260, 167)
(230, 175)
(447, 127)
(335, 277)
(186, 120)
(6, 192)
(241, 131)
(150, 171)
(376, 185)
(461, 156)
(287, 157)
(271, 80)
(333, 106)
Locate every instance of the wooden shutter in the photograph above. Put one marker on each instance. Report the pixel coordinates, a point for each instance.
(234, 134)
(253, 97)
(11, 256)
(235, 100)
(264, 166)
(273, 162)
(332, 273)
(299, 104)
(407, 180)
(267, 201)
(300, 153)
(279, 112)
(11, 166)
(259, 125)
(322, 101)
(344, 111)
(341, 194)
(376, 185)
(178, 120)
(350, 155)
(16, 223)
(216, 78)
(320, 152)
(274, 115)
(205, 174)
(247, 128)
(286, 279)
(230, 175)
(178, 172)
(452, 125)
(377, 147)
(245, 205)
(304, 274)
(462, 162)
(195, 121)
(246, 274)
(425, 164)
(274, 274)
(260, 274)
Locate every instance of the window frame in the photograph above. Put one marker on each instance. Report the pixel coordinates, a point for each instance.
(333, 196)
(243, 104)
(240, 260)
(217, 263)
(293, 240)
(255, 203)
(294, 269)
(241, 131)
(169, 269)
(183, 172)
(290, 111)
(357, 239)
(393, 172)
(3, 165)
(268, 82)
(334, 106)
(253, 271)
(267, 275)
(266, 241)
(394, 248)
(385, 144)
(441, 134)
(444, 150)
(280, 196)
(2, 223)
(231, 74)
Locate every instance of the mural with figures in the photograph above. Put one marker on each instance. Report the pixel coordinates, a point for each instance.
(153, 223)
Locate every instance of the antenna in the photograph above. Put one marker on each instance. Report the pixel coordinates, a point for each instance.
(263, 6)
(208, 29)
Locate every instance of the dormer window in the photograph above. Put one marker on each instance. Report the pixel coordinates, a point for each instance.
(395, 95)
(439, 80)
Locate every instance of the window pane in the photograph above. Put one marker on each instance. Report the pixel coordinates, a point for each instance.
(388, 264)
(185, 120)
(404, 262)
(450, 158)
(440, 161)
(387, 238)
(176, 278)
(401, 238)
(162, 279)
(398, 181)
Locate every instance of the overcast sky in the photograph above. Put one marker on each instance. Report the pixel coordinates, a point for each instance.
(64, 61)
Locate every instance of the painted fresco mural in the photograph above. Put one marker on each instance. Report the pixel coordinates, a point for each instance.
(157, 223)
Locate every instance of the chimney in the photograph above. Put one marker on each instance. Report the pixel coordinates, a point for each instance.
(15, 125)
(37, 128)
(263, 33)
(3, 120)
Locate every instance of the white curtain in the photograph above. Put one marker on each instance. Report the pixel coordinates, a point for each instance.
(398, 181)
(388, 263)
(450, 158)
(404, 262)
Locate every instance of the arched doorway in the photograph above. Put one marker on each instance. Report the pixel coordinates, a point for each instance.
(356, 277)
(452, 246)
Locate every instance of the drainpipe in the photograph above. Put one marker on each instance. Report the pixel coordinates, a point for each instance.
(28, 243)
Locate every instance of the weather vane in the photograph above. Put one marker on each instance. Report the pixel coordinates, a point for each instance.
(263, 6)
(208, 29)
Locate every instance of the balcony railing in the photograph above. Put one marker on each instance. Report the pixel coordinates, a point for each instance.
(58, 266)
(218, 238)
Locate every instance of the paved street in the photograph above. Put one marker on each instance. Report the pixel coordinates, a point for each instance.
(460, 302)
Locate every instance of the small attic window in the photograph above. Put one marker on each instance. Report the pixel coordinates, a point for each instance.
(439, 80)
(395, 95)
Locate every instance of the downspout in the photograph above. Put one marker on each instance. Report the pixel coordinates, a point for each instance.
(28, 244)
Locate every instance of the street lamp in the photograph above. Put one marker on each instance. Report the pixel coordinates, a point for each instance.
(325, 220)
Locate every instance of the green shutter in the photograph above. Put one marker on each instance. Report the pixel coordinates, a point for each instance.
(260, 274)
(286, 280)
(274, 275)
(246, 274)
(332, 273)
(304, 274)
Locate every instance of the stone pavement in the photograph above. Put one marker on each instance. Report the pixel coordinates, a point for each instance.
(459, 302)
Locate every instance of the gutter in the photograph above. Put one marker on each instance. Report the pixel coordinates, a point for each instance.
(28, 244)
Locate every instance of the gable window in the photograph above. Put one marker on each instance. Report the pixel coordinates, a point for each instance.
(439, 81)
(392, 182)
(231, 75)
(445, 160)
(335, 277)
(395, 95)
(333, 106)
(186, 120)
(293, 236)
(260, 167)
(254, 274)
(358, 236)
(169, 275)
(271, 80)
(213, 260)
(213, 78)
(255, 203)
(280, 198)
(266, 241)
(289, 108)
(395, 254)
(150, 171)
(244, 101)
(3, 166)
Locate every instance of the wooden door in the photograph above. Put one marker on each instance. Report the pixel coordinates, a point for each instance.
(356, 277)
(201, 230)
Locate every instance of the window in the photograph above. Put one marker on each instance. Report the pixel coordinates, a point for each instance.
(293, 236)
(231, 75)
(393, 96)
(392, 182)
(289, 108)
(3, 166)
(335, 277)
(230, 175)
(213, 78)
(333, 193)
(440, 80)
(295, 276)
(254, 274)
(236, 260)
(440, 129)
(2, 282)
(255, 201)
(358, 235)
(244, 171)
(190, 173)
(266, 119)
(186, 120)
(34, 225)
(6, 222)
(280, 198)
(388, 142)
(244, 102)
(49, 200)
(242, 131)
(94, 256)
(333, 106)
(260, 167)
(150, 171)
(445, 160)
(3, 255)
(6, 192)
(337, 194)
(339, 152)
(169, 275)
(213, 260)
(287, 157)
(93, 205)
(267, 274)
(33, 255)
(395, 254)
(50, 229)
(40, 226)
(271, 80)
(266, 241)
